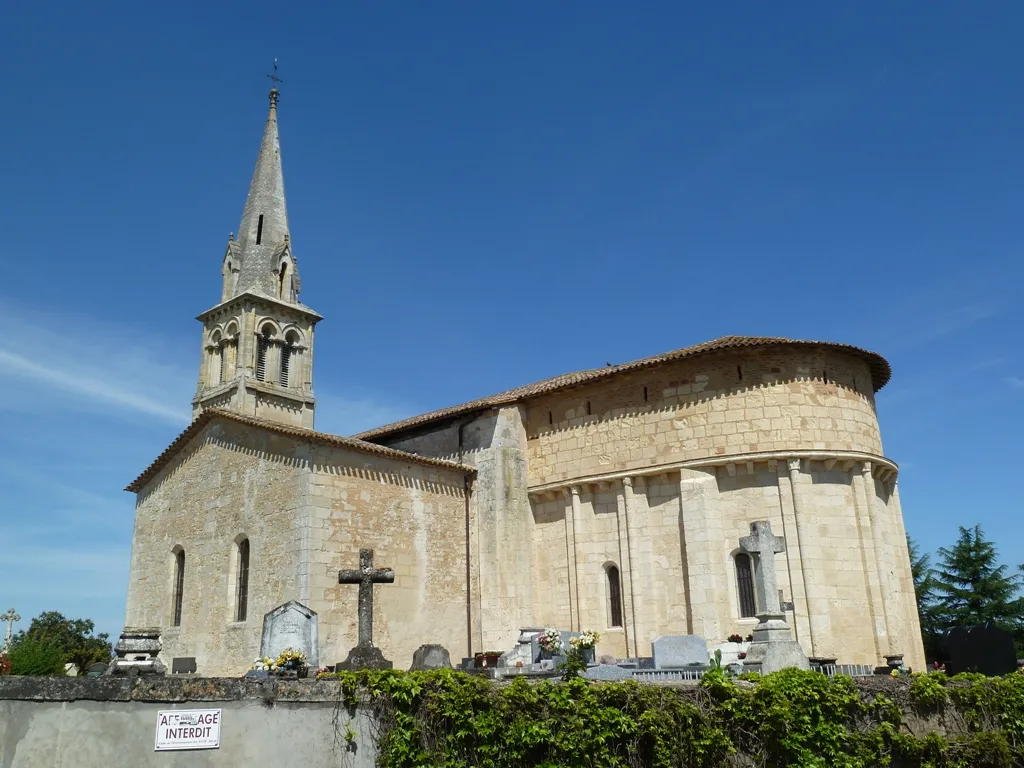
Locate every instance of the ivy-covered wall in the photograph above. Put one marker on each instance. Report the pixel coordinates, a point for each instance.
(450, 719)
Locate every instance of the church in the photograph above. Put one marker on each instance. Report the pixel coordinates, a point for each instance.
(611, 499)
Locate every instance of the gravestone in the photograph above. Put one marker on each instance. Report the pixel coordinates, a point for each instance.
(183, 665)
(365, 655)
(773, 647)
(431, 657)
(290, 625)
(983, 648)
(97, 669)
(608, 672)
(675, 651)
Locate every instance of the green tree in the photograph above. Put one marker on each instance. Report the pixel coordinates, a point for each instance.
(73, 638)
(34, 656)
(972, 587)
(928, 608)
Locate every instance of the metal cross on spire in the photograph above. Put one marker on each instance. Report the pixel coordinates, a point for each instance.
(274, 76)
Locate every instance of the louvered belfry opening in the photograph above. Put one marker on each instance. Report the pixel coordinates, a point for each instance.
(286, 353)
(745, 585)
(262, 345)
(242, 593)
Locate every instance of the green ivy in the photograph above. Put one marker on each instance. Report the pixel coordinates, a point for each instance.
(791, 718)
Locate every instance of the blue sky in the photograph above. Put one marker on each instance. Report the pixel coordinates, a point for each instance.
(487, 194)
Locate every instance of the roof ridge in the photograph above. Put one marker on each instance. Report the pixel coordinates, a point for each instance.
(300, 432)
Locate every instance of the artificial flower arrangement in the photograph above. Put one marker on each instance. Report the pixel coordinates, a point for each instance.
(290, 660)
(584, 641)
(550, 641)
(735, 638)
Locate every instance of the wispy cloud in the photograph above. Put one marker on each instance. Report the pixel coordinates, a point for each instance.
(1015, 381)
(111, 368)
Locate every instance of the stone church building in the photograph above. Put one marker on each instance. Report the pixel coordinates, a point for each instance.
(610, 499)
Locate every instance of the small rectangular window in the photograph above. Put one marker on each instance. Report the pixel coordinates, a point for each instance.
(242, 598)
(745, 585)
(259, 230)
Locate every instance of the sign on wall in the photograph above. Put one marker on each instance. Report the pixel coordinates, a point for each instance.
(187, 729)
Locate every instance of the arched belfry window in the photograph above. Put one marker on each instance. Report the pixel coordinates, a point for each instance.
(262, 348)
(287, 352)
(216, 359)
(242, 590)
(178, 592)
(745, 585)
(614, 596)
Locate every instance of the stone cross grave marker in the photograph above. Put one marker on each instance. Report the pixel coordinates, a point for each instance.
(766, 545)
(365, 655)
(10, 617)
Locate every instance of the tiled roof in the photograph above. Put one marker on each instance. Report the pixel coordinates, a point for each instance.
(880, 373)
(210, 414)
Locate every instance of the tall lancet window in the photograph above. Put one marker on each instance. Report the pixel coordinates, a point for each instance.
(178, 593)
(283, 290)
(614, 596)
(242, 591)
(262, 347)
(745, 585)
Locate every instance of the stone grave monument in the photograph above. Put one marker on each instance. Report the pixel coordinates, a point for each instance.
(290, 625)
(431, 657)
(137, 652)
(773, 647)
(678, 651)
(366, 655)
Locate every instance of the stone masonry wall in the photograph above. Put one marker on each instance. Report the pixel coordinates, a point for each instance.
(702, 408)
(306, 510)
(232, 481)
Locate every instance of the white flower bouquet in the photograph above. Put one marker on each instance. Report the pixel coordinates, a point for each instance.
(584, 641)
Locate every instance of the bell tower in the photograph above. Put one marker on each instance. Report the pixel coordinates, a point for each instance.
(258, 341)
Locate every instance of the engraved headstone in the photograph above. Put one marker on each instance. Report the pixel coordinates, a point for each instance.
(675, 651)
(290, 625)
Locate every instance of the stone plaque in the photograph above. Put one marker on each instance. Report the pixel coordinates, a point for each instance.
(291, 625)
(675, 651)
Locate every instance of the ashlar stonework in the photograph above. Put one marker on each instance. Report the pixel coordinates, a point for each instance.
(610, 499)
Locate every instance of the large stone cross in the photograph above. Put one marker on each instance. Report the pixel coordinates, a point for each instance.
(366, 577)
(765, 544)
(10, 617)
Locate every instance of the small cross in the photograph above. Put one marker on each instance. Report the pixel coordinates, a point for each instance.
(10, 617)
(766, 544)
(366, 577)
(274, 76)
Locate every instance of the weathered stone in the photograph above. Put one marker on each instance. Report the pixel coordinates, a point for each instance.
(675, 651)
(364, 657)
(290, 625)
(607, 672)
(768, 657)
(431, 657)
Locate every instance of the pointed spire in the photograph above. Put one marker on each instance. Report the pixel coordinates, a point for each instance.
(263, 233)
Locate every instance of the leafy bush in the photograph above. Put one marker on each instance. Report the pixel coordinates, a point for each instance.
(36, 657)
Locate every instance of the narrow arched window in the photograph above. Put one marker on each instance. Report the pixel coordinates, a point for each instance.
(242, 592)
(614, 596)
(287, 353)
(262, 345)
(179, 585)
(745, 585)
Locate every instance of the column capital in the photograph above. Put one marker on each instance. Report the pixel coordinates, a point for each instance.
(793, 465)
(866, 468)
(574, 490)
(627, 482)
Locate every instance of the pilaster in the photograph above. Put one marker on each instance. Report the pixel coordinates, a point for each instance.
(817, 603)
(625, 510)
(872, 543)
(794, 555)
(706, 590)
